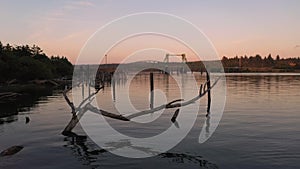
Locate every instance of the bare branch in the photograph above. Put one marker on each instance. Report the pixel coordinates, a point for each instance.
(200, 89)
(105, 113)
(171, 104)
(68, 101)
(86, 99)
(173, 119)
(73, 122)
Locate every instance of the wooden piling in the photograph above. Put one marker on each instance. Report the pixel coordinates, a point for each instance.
(88, 80)
(151, 90)
(209, 92)
(114, 88)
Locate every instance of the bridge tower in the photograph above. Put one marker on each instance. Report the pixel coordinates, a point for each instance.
(183, 61)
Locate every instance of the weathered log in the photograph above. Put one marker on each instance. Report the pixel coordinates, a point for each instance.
(105, 113)
(77, 112)
(73, 122)
(173, 104)
(8, 96)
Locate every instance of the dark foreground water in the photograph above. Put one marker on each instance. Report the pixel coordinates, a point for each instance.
(260, 128)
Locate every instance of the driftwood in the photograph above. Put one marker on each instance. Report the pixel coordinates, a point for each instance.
(7, 95)
(174, 104)
(85, 106)
(76, 112)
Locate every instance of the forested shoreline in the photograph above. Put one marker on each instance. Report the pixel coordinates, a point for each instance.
(26, 63)
(262, 64)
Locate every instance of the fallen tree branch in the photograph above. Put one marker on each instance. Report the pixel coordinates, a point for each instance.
(68, 101)
(172, 103)
(105, 113)
(93, 94)
(73, 122)
(77, 112)
(174, 117)
(80, 110)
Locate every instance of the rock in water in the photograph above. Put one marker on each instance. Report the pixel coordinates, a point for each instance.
(11, 151)
(27, 119)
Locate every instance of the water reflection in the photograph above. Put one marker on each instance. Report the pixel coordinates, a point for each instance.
(8, 119)
(81, 150)
(258, 130)
(260, 84)
(29, 98)
(207, 126)
(91, 154)
(185, 158)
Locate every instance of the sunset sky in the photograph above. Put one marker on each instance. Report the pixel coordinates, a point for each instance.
(234, 27)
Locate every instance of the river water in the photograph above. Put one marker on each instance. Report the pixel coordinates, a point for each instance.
(260, 128)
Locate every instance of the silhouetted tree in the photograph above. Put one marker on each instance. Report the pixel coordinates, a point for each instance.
(269, 61)
(36, 50)
(277, 58)
(1, 47)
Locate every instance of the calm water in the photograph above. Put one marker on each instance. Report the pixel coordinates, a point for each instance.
(260, 128)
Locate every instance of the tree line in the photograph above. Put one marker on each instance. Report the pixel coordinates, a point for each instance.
(258, 61)
(25, 63)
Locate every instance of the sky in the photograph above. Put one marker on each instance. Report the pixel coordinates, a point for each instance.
(234, 27)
